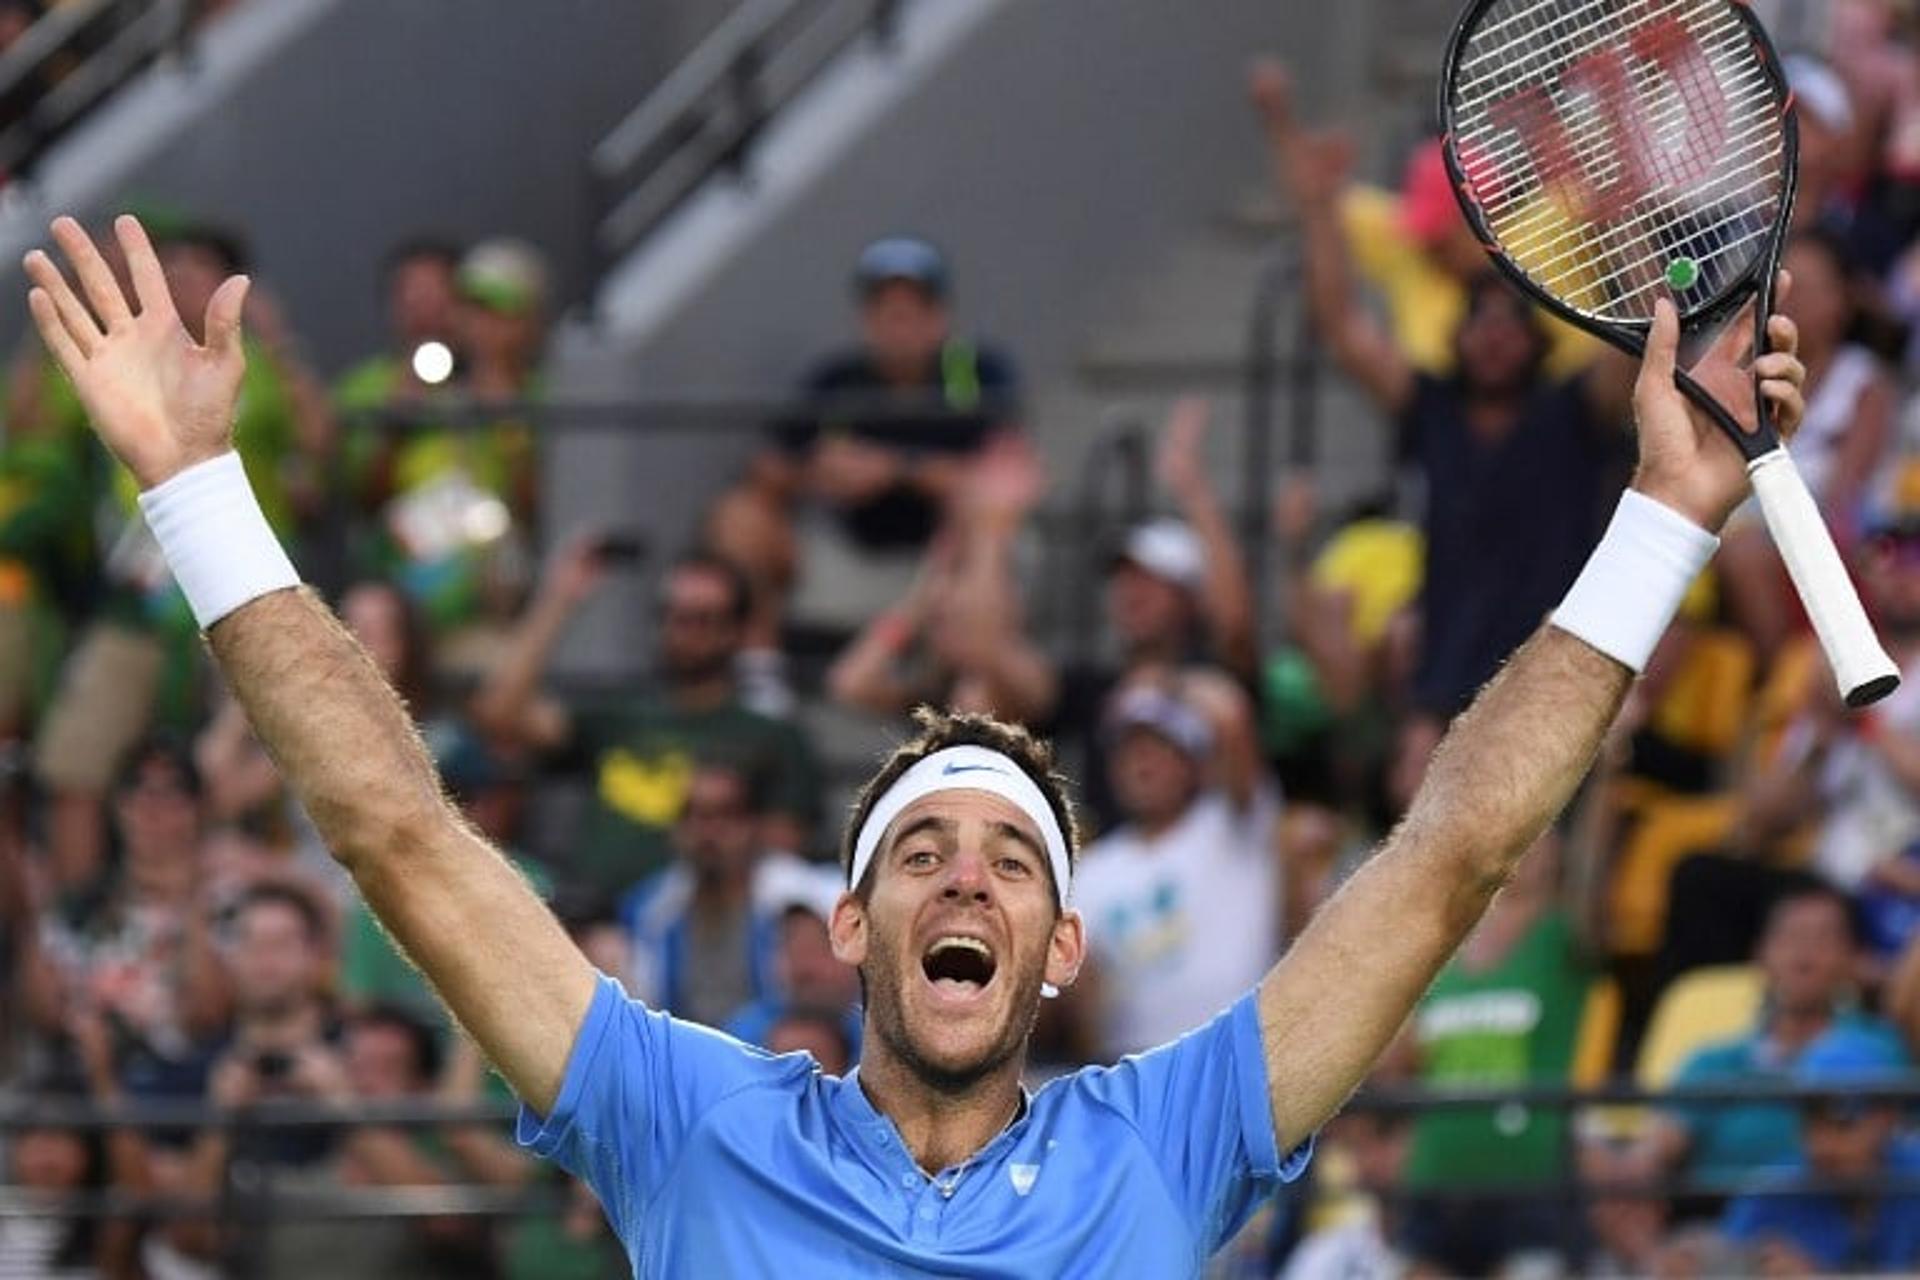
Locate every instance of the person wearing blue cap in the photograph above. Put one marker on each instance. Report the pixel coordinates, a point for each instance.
(877, 449)
(931, 1158)
(1845, 1138)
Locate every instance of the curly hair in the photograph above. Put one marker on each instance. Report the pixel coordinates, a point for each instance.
(939, 730)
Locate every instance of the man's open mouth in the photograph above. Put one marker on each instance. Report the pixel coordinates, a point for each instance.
(958, 965)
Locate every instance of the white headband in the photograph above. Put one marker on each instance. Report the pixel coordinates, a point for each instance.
(965, 769)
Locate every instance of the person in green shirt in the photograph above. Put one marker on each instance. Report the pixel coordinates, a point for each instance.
(1505, 1012)
(447, 495)
(419, 291)
(639, 751)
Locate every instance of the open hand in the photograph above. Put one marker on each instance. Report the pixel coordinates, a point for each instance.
(160, 401)
(1686, 462)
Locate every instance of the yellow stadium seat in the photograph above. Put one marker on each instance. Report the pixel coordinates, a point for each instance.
(1700, 1007)
(1599, 1032)
(1708, 700)
(1667, 831)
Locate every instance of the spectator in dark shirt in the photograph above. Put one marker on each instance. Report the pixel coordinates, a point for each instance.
(880, 447)
(640, 751)
(1518, 468)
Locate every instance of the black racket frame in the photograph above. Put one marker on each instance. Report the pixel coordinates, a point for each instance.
(1756, 283)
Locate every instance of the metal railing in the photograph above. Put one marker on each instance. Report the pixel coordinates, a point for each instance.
(73, 59)
(245, 1126)
(1266, 367)
(706, 116)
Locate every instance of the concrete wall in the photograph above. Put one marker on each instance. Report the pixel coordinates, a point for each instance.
(326, 128)
(1048, 144)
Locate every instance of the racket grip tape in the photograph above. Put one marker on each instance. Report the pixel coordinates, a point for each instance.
(1860, 665)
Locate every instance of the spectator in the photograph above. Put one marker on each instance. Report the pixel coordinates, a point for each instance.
(1807, 957)
(703, 941)
(639, 751)
(1503, 1013)
(456, 503)
(820, 1032)
(141, 659)
(392, 1057)
(956, 641)
(1351, 617)
(1843, 1138)
(880, 450)
(50, 473)
(139, 949)
(1413, 248)
(1516, 464)
(808, 979)
(418, 284)
(1177, 595)
(1182, 901)
(1353, 1238)
(45, 1164)
(284, 1045)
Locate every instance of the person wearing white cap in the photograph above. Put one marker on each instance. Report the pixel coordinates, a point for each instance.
(1182, 900)
(711, 1158)
(1177, 596)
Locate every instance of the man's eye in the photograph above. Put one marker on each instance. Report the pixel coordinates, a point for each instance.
(921, 858)
(1014, 867)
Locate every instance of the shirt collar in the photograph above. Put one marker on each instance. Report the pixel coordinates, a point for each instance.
(878, 1138)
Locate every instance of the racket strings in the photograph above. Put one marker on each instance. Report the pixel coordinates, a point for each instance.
(1693, 171)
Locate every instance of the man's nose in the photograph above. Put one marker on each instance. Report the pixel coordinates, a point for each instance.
(967, 878)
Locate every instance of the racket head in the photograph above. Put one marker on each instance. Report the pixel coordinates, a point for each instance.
(1607, 152)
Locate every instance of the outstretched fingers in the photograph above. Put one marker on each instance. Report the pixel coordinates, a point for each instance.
(1662, 352)
(143, 265)
(69, 316)
(53, 331)
(224, 310)
(103, 292)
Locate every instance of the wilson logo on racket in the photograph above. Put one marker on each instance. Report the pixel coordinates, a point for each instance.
(1652, 146)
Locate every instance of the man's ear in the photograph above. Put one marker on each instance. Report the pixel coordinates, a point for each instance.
(1066, 950)
(848, 930)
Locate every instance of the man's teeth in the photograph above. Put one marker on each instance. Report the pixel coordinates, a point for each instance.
(970, 944)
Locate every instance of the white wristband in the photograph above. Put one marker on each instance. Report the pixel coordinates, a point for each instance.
(1635, 580)
(216, 540)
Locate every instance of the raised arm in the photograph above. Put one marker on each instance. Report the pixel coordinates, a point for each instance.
(509, 702)
(163, 405)
(1226, 596)
(1313, 169)
(1508, 766)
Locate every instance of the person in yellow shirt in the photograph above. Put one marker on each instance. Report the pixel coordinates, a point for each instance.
(1412, 247)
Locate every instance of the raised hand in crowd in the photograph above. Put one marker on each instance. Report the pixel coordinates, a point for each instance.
(1226, 595)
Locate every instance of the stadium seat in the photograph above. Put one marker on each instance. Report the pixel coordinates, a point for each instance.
(1700, 1007)
(1668, 830)
(1599, 1034)
(1708, 700)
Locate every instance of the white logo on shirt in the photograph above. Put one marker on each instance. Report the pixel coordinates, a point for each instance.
(1022, 1176)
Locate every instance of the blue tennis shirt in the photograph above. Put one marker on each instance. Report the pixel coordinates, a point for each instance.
(712, 1158)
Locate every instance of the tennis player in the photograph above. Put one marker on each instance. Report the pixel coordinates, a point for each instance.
(713, 1159)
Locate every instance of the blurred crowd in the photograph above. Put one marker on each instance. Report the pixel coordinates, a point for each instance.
(1733, 901)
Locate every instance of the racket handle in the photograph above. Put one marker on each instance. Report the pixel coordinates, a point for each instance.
(1864, 671)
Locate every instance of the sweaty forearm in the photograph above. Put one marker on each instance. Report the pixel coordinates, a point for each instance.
(492, 950)
(1337, 999)
(1512, 761)
(335, 728)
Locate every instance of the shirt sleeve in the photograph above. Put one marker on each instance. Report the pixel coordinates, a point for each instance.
(1200, 1104)
(637, 1084)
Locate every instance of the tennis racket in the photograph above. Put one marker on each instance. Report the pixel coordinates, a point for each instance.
(1609, 151)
